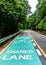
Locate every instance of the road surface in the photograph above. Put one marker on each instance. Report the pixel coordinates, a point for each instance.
(41, 41)
(23, 50)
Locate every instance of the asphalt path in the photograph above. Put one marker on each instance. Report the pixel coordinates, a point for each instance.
(41, 40)
(21, 51)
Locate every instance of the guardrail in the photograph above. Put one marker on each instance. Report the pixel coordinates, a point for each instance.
(8, 37)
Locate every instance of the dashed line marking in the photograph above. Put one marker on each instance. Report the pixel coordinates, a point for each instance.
(34, 44)
(38, 51)
(32, 40)
(42, 51)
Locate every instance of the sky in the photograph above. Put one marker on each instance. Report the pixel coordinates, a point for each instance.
(33, 4)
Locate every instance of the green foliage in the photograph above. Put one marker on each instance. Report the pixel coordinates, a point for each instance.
(13, 16)
(40, 25)
(37, 21)
(20, 26)
(13, 13)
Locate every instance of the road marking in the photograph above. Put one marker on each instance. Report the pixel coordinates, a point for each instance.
(8, 45)
(20, 53)
(42, 51)
(32, 40)
(5, 48)
(39, 53)
(34, 44)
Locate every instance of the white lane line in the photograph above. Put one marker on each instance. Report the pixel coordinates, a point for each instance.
(39, 53)
(34, 44)
(32, 40)
(4, 49)
(8, 45)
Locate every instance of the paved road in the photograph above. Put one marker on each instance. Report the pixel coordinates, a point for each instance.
(20, 52)
(41, 40)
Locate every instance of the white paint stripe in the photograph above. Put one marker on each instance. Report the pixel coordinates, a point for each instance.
(34, 44)
(4, 49)
(39, 53)
(8, 45)
(32, 40)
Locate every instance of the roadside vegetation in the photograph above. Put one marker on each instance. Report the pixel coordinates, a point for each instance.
(13, 16)
(37, 21)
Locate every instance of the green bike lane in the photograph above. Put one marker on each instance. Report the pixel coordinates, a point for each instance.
(20, 52)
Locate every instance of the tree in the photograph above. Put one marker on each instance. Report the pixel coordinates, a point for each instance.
(13, 13)
(38, 19)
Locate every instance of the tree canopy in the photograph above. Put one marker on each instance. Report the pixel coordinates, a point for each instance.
(37, 21)
(13, 14)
